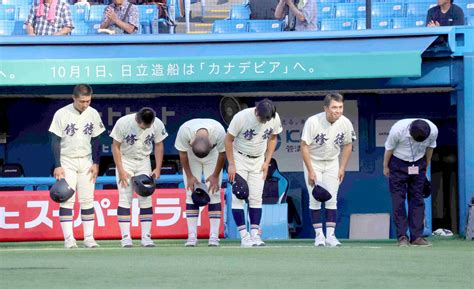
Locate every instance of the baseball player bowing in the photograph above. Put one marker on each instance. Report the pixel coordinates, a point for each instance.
(134, 137)
(75, 131)
(250, 142)
(200, 143)
(325, 135)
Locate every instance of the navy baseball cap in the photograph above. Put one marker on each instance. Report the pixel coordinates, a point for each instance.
(321, 194)
(199, 195)
(420, 130)
(240, 187)
(427, 188)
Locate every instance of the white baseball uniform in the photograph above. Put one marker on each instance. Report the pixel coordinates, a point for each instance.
(325, 141)
(136, 146)
(76, 130)
(250, 145)
(201, 166)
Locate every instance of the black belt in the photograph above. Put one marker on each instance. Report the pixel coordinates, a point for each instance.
(250, 157)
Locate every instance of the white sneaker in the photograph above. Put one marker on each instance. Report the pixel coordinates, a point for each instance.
(191, 241)
(247, 242)
(147, 241)
(213, 242)
(70, 243)
(332, 241)
(90, 243)
(257, 240)
(320, 240)
(126, 242)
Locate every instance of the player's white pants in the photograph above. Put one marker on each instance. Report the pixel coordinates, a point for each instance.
(76, 173)
(327, 174)
(133, 167)
(199, 167)
(251, 171)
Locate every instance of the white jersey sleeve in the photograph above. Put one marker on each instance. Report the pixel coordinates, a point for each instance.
(183, 139)
(306, 135)
(98, 125)
(118, 133)
(160, 131)
(56, 125)
(277, 128)
(349, 135)
(220, 136)
(236, 125)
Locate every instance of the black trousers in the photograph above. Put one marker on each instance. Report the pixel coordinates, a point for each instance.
(402, 185)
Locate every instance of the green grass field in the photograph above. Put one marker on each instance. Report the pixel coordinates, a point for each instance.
(282, 264)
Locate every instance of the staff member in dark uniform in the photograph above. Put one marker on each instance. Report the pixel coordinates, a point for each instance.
(408, 151)
(445, 14)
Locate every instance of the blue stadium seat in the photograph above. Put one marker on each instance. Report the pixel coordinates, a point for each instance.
(346, 10)
(7, 12)
(79, 13)
(17, 2)
(419, 8)
(240, 12)
(408, 22)
(23, 12)
(470, 21)
(147, 13)
(19, 28)
(337, 24)
(381, 23)
(265, 26)
(326, 10)
(229, 26)
(467, 6)
(360, 24)
(85, 28)
(7, 27)
(96, 12)
(388, 9)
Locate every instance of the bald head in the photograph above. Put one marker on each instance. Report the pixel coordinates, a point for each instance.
(201, 146)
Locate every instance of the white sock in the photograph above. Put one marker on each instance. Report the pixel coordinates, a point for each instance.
(215, 223)
(146, 228)
(125, 229)
(319, 231)
(67, 230)
(192, 226)
(243, 233)
(253, 232)
(330, 231)
(88, 229)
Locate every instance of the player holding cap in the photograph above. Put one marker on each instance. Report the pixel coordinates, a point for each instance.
(250, 142)
(75, 132)
(200, 143)
(324, 136)
(134, 137)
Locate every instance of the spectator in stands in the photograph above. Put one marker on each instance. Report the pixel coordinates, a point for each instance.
(83, 3)
(121, 17)
(445, 14)
(49, 17)
(303, 10)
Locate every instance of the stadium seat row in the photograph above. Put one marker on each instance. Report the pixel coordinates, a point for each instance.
(95, 13)
(243, 26)
(358, 10)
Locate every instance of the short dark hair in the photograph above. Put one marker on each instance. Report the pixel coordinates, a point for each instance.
(201, 147)
(333, 96)
(265, 109)
(420, 130)
(82, 90)
(146, 115)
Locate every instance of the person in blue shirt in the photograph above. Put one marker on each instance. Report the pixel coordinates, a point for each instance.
(445, 14)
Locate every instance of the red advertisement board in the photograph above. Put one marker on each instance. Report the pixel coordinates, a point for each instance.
(32, 216)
